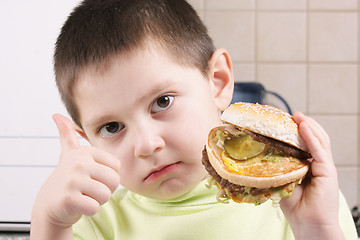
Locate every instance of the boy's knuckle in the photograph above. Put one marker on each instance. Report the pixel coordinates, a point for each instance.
(68, 201)
(114, 181)
(85, 150)
(118, 166)
(104, 196)
(91, 208)
(80, 166)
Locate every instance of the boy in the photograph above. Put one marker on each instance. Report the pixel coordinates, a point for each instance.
(144, 85)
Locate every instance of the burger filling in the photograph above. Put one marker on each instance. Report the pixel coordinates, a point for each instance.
(240, 193)
(245, 153)
(251, 154)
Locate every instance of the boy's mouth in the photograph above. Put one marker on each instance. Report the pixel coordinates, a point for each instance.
(160, 171)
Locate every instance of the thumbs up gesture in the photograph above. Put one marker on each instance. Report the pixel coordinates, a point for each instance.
(83, 180)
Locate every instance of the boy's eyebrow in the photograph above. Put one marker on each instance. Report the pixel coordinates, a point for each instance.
(155, 90)
(97, 121)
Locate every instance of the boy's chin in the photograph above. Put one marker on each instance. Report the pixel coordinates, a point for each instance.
(172, 189)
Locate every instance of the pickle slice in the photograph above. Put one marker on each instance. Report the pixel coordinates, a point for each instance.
(243, 147)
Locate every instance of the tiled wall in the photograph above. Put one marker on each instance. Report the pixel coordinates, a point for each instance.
(306, 50)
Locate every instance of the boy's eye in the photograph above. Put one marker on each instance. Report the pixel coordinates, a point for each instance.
(162, 103)
(110, 129)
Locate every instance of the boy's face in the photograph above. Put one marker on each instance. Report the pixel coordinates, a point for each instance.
(154, 116)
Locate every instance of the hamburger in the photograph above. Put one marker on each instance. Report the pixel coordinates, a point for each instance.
(256, 155)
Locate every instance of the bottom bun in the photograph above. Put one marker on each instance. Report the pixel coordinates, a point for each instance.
(244, 194)
(255, 196)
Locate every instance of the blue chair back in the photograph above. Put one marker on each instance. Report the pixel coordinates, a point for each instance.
(254, 92)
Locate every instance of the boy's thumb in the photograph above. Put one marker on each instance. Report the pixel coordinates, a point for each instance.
(67, 131)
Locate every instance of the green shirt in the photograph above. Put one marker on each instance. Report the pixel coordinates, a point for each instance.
(195, 215)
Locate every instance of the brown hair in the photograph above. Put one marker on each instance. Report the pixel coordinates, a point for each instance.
(97, 30)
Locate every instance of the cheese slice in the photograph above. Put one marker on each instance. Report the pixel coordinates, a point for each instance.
(260, 167)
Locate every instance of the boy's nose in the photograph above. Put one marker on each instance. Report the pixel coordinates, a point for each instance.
(147, 142)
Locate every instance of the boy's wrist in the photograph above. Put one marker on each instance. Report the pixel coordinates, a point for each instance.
(42, 228)
(46, 230)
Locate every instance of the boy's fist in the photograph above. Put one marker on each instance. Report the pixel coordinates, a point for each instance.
(83, 180)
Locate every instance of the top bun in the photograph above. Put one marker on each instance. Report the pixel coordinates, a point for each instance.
(265, 120)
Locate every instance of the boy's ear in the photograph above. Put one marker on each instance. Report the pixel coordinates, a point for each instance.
(221, 78)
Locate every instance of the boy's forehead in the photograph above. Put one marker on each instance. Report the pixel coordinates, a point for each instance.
(135, 55)
(141, 56)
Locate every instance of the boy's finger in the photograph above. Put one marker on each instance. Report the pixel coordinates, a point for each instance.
(322, 164)
(311, 140)
(67, 131)
(315, 127)
(105, 158)
(319, 130)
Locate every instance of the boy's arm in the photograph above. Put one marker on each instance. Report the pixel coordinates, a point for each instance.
(83, 180)
(42, 229)
(312, 210)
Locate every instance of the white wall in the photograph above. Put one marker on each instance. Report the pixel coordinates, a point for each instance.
(29, 146)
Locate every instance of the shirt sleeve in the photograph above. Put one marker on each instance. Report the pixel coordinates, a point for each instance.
(85, 229)
(346, 221)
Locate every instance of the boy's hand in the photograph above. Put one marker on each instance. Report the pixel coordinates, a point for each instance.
(83, 180)
(312, 210)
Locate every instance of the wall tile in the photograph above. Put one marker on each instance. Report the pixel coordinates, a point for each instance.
(281, 4)
(233, 30)
(333, 5)
(197, 4)
(358, 74)
(333, 36)
(288, 80)
(342, 131)
(24, 180)
(24, 111)
(358, 186)
(281, 36)
(27, 88)
(347, 183)
(201, 14)
(333, 88)
(43, 151)
(229, 4)
(244, 72)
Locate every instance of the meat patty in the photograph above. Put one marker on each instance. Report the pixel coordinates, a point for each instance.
(234, 188)
(286, 148)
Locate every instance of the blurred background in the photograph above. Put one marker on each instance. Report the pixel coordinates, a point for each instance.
(305, 50)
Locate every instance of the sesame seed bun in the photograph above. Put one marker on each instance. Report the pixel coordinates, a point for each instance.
(265, 120)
